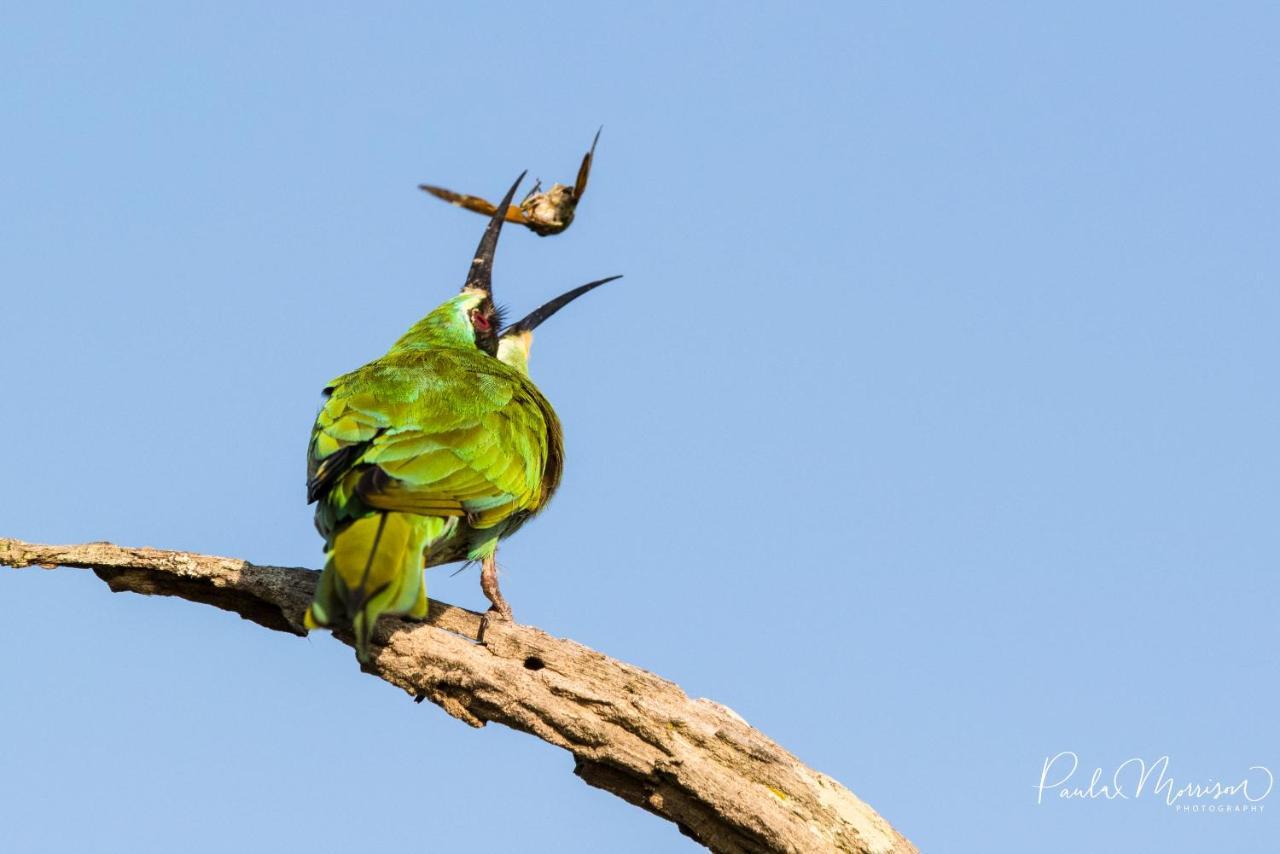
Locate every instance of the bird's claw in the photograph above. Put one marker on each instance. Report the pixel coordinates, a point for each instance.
(498, 606)
(500, 610)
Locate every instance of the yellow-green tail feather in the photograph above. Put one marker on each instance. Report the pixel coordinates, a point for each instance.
(374, 567)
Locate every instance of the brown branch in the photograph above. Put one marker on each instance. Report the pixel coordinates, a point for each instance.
(691, 761)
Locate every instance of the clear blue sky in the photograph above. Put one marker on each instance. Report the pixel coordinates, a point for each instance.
(933, 428)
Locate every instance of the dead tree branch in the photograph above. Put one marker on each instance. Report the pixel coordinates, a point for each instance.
(691, 761)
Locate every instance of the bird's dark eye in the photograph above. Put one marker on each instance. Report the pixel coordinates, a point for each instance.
(479, 321)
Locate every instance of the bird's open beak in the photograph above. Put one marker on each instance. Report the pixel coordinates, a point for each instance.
(530, 321)
(480, 276)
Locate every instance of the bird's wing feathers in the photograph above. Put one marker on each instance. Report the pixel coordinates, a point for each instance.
(469, 438)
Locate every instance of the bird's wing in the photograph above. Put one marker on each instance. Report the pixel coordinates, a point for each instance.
(463, 440)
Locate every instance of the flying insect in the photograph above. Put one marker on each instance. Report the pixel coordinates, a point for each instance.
(542, 212)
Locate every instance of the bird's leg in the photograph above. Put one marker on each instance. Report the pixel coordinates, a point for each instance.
(489, 584)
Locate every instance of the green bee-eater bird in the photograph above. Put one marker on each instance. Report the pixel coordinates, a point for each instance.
(429, 455)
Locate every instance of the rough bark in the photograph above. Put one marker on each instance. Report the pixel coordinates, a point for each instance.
(691, 761)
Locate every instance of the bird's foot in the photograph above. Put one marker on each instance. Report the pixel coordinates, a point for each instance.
(498, 607)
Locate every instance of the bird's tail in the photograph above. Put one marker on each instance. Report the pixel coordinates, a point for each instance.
(374, 567)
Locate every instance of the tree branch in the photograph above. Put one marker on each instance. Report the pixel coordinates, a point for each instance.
(691, 761)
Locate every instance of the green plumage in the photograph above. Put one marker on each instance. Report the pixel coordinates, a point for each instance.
(428, 455)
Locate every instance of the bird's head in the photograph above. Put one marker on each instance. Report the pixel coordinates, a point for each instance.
(483, 315)
(471, 318)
